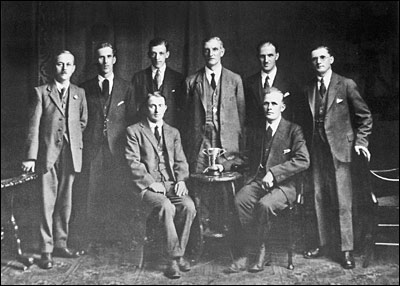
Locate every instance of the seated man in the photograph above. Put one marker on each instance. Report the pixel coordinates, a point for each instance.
(275, 159)
(159, 170)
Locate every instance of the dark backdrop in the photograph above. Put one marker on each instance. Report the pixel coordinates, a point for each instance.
(364, 36)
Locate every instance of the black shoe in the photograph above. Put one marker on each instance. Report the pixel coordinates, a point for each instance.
(314, 253)
(238, 265)
(172, 270)
(183, 264)
(261, 260)
(46, 261)
(65, 252)
(348, 260)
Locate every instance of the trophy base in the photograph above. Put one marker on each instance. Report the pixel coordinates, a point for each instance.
(213, 172)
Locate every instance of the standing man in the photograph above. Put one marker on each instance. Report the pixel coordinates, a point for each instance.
(215, 113)
(255, 86)
(215, 109)
(57, 117)
(111, 108)
(159, 170)
(338, 123)
(159, 77)
(278, 154)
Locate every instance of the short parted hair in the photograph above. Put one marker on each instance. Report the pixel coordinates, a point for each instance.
(212, 38)
(60, 52)
(265, 42)
(329, 49)
(144, 103)
(274, 90)
(156, 42)
(105, 45)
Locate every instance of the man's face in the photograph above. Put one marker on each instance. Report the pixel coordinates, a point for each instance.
(268, 57)
(105, 61)
(273, 106)
(156, 108)
(321, 60)
(65, 67)
(158, 55)
(213, 52)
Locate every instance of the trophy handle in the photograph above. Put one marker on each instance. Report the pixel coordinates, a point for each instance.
(221, 152)
(205, 152)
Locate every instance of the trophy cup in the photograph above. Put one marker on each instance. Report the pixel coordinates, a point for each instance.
(213, 154)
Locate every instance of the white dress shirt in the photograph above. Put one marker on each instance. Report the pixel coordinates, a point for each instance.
(110, 81)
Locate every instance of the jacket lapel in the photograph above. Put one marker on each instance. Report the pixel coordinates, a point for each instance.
(311, 87)
(199, 87)
(332, 90)
(147, 132)
(169, 146)
(54, 95)
(277, 140)
(149, 80)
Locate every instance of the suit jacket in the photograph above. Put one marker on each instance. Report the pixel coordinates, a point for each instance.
(47, 123)
(348, 120)
(142, 83)
(231, 113)
(288, 156)
(143, 158)
(253, 91)
(121, 113)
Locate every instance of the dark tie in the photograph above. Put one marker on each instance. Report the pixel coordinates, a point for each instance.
(106, 88)
(62, 94)
(157, 79)
(268, 136)
(322, 88)
(266, 83)
(157, 134)
(213, 84)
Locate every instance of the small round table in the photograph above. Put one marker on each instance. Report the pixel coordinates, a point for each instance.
(202, 184)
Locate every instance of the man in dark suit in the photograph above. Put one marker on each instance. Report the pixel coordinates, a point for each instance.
(160, 77)
(337, 122)
(215, 109)
(57, 117)
(159, 170)
(269, 76)
(111, 108)
(278, 154)
(215, 113)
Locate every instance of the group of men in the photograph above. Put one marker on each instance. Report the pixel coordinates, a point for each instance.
(130, 140)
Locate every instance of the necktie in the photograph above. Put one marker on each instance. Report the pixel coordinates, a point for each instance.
(268, 137)
(266, 83)
(213, 84)
(106, 88)
(62, 94)
(157, 79)
(157, 134)
(322, 88)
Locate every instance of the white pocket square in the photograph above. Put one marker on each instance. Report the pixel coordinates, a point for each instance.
(286, 151)
(339, 100)
(121, 102)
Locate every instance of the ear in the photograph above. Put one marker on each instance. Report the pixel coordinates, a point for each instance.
(332, 59)
(167, 55)
(222, 52)
(114, 59)
(277, 56)
(283, 107)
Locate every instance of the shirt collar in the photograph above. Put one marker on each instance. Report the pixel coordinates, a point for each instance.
(217, 72)
(110, 78)
(274, 125)
(162, 69)
(327, 78)
(60, 86)
(153, 125)
(271, 74)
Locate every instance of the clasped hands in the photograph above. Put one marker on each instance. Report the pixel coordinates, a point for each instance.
(179, 188)
(268, 181)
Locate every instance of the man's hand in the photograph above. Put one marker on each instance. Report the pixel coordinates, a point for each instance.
(181, 189)
(158, 188)
(268, 181)
(28, 166)
(219, 166)
(364, 151)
